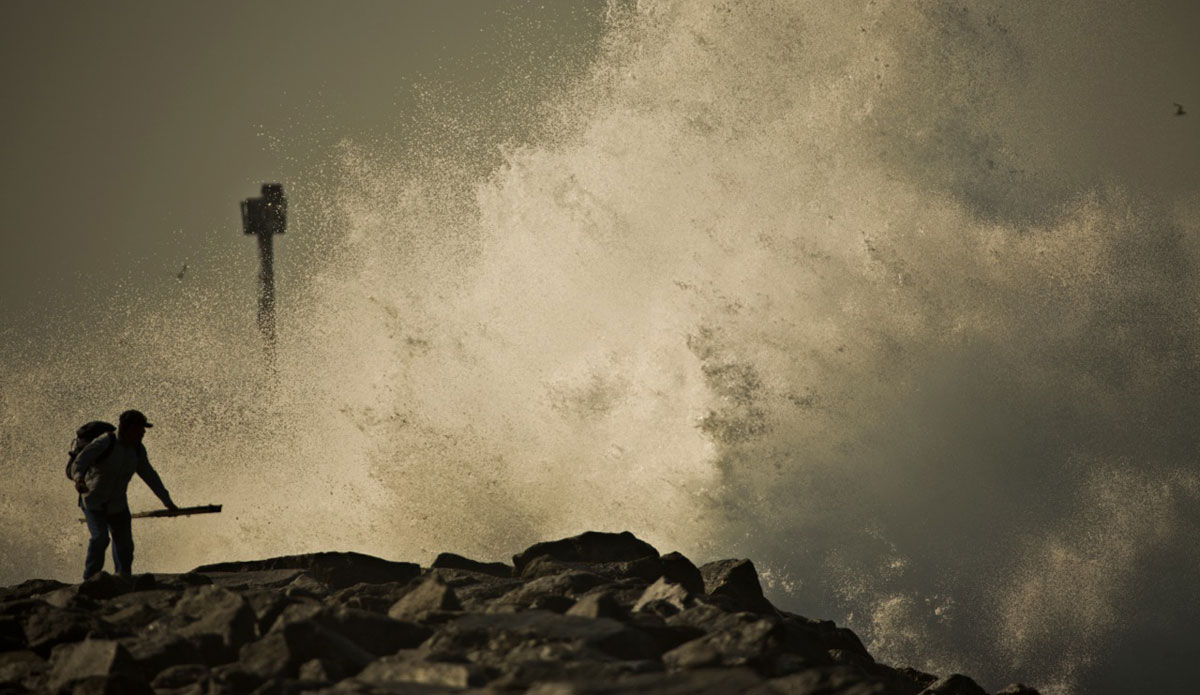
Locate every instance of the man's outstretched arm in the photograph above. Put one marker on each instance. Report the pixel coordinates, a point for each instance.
(147, 473)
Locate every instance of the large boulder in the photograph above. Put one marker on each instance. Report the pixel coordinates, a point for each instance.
(336, 570)
(592, 546)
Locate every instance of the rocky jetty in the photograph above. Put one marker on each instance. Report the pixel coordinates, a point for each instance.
(596, 614)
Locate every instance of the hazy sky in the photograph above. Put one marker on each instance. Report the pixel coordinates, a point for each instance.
(135, 128)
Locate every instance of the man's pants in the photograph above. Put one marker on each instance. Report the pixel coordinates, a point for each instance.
(101, 524)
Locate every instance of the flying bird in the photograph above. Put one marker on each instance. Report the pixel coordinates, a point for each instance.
(181, 272)
(1179, 110)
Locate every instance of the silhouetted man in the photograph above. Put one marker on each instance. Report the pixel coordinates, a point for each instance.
(102, 474)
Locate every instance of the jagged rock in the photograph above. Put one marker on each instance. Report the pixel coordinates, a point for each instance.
(232, 679)
(157, 650)
(218, 620)
(452, 561)
(408, 668)
(12, 635)
(592, 546)
(28, 589)
(827, 635)
(697, 682)
(597, 613)
(99, 587)
(20, 665)
(371, 632)
(955, 684)
(180, 676)
(750, 643)
(377, 598)
(134, 611)
(1017, 689)
(430, 595)
(842, 680)
(664, 598)
(269, 604)
(453, 641)
(647, 569)
(666, 636)
(117, 684)
(336, 570)
(599, 605)
(737, 581)
(174, 582)
(253, 579)
(280, 653)
(679, 569)
(524, 673)
(569, 584)
(46, 627)
(89, 658)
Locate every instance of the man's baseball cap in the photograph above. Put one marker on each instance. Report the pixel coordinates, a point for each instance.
(134, 417)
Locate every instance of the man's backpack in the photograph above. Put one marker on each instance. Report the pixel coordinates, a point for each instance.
(84, 436)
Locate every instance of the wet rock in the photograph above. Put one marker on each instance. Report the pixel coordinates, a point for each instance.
(336, 570)
(591, 546)
(452, 561)
(217, 620)
(956, 684)
(736, 581)
(87, 659)
(432, 594)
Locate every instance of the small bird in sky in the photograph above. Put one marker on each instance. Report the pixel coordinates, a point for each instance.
(181, 272)
(1179, 110)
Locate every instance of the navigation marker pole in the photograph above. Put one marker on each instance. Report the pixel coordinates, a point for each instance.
(265, 217)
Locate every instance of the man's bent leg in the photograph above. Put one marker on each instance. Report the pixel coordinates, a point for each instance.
(122, 537)
(97, 523)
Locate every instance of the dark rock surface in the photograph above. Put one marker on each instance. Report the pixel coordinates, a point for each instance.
(598, 613)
